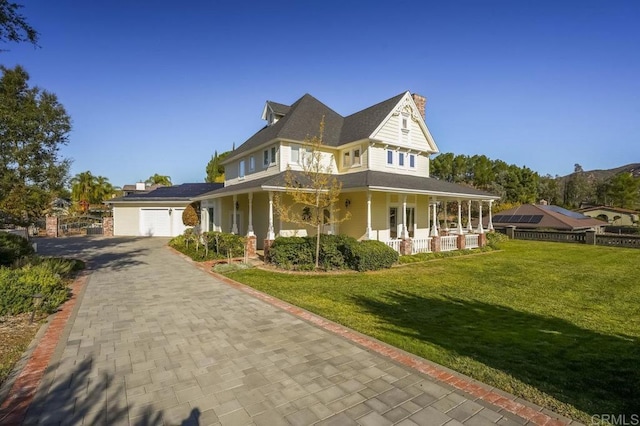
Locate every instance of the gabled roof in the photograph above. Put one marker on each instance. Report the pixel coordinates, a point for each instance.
(611, 209)
(367, 179)
(183, 192)
(543, 216)
(302, 120)
(280, 109)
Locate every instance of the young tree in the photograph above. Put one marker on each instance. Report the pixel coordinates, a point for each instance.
(13, 26)
(157, 179)
(33, 127)
(314, 192)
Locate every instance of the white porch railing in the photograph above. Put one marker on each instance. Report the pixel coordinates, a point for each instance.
(394, 244)
(471, 241)
(421, 245)
(449, 243)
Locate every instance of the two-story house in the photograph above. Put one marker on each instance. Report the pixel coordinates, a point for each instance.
(380, 154)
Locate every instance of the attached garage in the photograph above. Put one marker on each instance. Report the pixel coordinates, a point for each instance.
(157, 213)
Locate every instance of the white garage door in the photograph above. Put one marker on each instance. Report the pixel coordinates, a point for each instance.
(155, 222)
(178, 227)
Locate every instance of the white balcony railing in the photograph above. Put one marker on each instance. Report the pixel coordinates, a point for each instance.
(449, 243)
(471, 241)
(421, 245)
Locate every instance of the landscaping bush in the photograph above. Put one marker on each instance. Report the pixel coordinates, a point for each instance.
(190, 216)
(219, 245)
(370, 256)
(495, 240)
(292, 253)
(17, 286)
(13, 247)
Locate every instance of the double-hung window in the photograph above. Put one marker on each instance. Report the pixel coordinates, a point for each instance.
(265, 158)
(346, 159)
(241, 169)
(252, 163)
(389, 157)
(273, 155)
(356, 157)
(412, 161)
(401, 159)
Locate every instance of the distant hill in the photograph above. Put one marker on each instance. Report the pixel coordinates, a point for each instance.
(600, 175)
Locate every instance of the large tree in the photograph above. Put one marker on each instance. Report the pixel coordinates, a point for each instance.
(157, 179)
(33, 127)
(88, 190)
(624, 190)
(314, 192)
(13, 26)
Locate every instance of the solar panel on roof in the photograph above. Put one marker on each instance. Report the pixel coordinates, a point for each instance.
(516, 218)
(564, 212)
(536, 218)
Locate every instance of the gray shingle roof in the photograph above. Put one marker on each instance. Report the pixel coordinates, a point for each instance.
(367, 179)
(303, 121)
(186, 191)
(280, 109)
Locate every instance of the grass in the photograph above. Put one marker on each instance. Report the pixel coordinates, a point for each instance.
(556, 324)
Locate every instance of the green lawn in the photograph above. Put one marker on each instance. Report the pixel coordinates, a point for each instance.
(557, 324)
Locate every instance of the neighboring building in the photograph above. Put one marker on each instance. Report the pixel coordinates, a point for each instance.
(536, 216)
(155, 213)
(612, 215)
(381, 155)
(139, 188)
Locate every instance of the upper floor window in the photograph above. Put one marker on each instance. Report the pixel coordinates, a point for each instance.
(389, 157)
(401, 159)
(252, 163)
(405, 122)
(356, 157)
(412, 161)
(346, 159)
(269, 156)
(241, 169)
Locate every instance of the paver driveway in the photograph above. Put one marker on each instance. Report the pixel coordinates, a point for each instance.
(157, 341)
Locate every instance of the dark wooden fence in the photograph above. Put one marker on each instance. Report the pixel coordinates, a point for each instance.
(580, 237)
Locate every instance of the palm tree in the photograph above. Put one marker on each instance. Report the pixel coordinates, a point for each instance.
(83, 189)
(157, 179)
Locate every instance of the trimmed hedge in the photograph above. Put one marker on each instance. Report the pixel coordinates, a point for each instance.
(336, 252)
(13, 247)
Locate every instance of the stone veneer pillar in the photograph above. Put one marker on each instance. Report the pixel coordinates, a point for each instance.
(435, 244)
(406, 247)
(107, 226)
(482, 240)
(267, 246)
(251, 246)
(52, 226)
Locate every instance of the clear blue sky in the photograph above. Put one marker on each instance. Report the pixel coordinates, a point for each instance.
(158, 86)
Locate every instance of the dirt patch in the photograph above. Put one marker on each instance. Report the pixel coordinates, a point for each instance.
(16, 332)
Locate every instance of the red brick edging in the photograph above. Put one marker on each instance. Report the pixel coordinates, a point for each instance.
(440, 374)
(14, 407)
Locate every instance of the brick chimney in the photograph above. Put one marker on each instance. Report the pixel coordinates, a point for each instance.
(421, 103)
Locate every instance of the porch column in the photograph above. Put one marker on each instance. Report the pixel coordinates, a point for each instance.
(480, 228)
(434, 228)
(490, 227)
(405, 233)
(234, 226)
(469, 227)
(368, 231)
(459, 217)
(250, 227)
(270, 234)
(446, 224)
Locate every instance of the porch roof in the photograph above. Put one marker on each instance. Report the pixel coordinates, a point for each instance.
(365, 180)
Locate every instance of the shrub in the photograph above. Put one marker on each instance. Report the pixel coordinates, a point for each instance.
(370, 255)
(190, 216)
(13, 247)
(17, 287)
(219, 245)
(224, 244)
(495, 240)
(292, 253)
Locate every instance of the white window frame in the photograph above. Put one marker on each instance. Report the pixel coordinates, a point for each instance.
(265, 158)
(390, 156)
(274, 154)
(412, 161)
(401, 156)
(241, 169)
(252, 163)
(346, 159)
